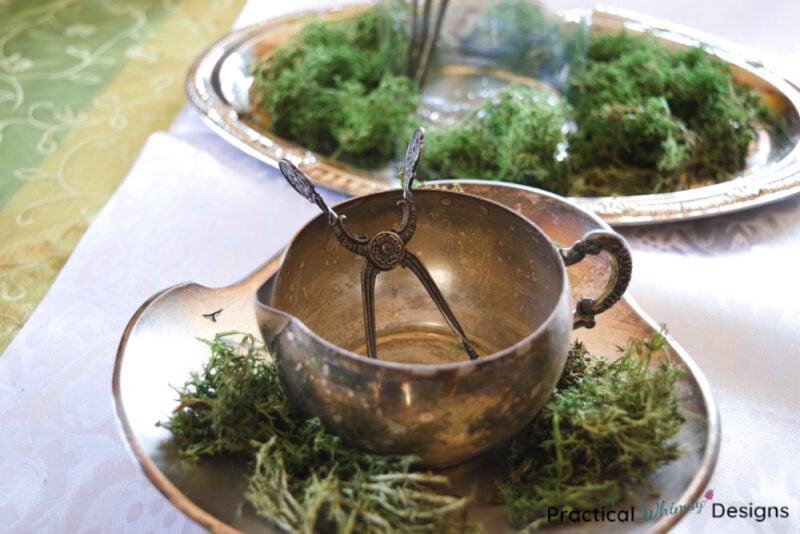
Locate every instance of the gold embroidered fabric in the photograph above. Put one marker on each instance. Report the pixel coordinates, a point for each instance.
(82, 85)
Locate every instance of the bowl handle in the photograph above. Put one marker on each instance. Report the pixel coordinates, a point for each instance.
(594, 243)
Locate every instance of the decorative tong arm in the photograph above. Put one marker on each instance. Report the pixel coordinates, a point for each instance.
(301, 183)
(385, 250)
(415, 266)
(408, 224)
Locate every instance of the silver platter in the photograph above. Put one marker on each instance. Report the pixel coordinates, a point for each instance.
(160, 347)
(219, 86)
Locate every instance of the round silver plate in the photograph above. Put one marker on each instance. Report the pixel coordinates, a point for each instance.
(220, 81)
(160, 348)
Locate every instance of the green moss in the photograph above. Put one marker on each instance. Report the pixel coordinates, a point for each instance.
(605, 430)
(602, 433)
(331, 89)
(303, 478)
(639, 117)
(675, 119)
(515, 136)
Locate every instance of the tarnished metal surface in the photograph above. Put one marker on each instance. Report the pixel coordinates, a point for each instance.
(385, 250)
(502, 278)
(594, 243)
(160, 348)
(499, 270)
(219, 86)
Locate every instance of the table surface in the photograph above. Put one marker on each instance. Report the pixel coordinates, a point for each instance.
(110, 190)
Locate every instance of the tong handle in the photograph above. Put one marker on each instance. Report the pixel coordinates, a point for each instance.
(413, 155)
(303, 185)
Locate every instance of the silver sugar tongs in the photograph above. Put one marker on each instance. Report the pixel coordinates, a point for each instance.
(385, 250)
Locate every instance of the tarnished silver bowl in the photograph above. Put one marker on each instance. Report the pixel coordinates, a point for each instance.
(502, 278)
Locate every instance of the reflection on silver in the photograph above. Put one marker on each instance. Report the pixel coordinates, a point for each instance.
(159, 348)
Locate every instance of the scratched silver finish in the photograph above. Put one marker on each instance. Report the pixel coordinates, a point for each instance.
(219, 86)
(502, 278)
(159, 349)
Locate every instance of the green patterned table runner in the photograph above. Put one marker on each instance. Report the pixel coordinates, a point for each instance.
(82, 85)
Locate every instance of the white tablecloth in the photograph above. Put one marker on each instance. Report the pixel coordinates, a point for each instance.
(194, 208)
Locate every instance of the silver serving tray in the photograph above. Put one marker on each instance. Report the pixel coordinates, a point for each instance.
(160, 347)
(219, 83)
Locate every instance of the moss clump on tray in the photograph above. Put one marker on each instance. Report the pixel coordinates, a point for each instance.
(498, 141)
(303, 479)
(332, 90)
(606, 428)
(653, 120)
(638, 118)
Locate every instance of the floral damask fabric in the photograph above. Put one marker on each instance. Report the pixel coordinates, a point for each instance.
(737, 232)
(82, 85)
